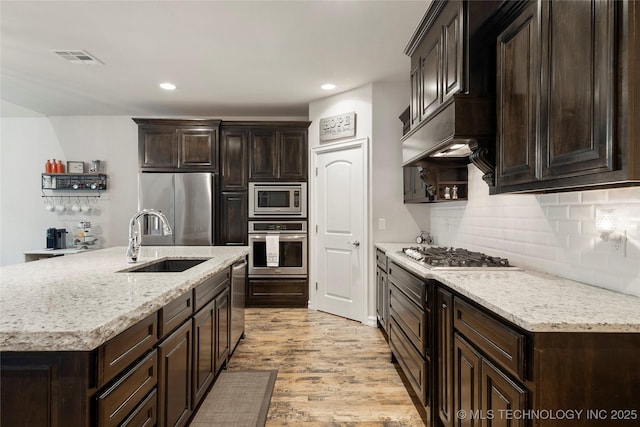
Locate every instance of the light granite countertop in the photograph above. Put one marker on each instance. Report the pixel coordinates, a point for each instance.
(78, 302)
(535, 301)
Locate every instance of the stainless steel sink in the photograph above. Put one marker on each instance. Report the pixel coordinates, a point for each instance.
(167, 265)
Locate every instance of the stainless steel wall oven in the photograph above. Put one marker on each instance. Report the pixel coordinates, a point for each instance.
(278, 249)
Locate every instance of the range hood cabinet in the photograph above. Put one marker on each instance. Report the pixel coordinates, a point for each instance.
(463, 129)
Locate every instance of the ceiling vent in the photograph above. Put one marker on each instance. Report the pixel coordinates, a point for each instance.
(77, 56)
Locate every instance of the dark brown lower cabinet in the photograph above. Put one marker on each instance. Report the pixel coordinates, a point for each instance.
(278, 293)
(466, 383)
(382, 298)
(174, 382)
(126, 394)
(204, 330)
(444, 336)
(480, 370)
(487, 353)
(483, 394)
(413, 364)
(501, 397)
(222, 319)
(146, 415)
(410, 331)
(41, 389)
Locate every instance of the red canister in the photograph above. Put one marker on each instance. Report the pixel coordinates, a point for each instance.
(48, 167)
(59, 167)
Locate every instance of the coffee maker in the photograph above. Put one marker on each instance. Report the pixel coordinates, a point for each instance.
(56, 238)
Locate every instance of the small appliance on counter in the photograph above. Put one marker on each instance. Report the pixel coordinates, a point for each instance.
(83, 237)
(56, 238)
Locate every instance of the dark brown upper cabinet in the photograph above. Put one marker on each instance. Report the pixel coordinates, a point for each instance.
(178, 145)
(278, 154)
(452, 78)
(292, 155)
(517, 94)
(567, 89)
(436, 62)
(234, 159)
(448, 56)
(264, 155)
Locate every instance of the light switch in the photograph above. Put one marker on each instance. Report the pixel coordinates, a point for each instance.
(382, 224)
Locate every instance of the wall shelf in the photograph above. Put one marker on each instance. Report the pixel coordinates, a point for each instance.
(91, 182)
(436, 180)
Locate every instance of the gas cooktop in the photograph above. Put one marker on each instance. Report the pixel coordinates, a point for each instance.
(442, 258)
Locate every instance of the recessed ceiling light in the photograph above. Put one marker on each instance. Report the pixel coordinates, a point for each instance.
(328, 86)
(168, 86)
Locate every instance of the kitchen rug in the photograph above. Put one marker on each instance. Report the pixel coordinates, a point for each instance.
(237, 398)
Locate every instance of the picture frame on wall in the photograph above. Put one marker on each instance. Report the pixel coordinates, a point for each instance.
(75, 167)
(337, 127)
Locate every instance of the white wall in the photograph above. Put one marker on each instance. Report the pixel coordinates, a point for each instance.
(403, 222)
(554, 233)
(27, 143)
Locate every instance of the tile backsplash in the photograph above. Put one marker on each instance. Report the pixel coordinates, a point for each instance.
(555, 233)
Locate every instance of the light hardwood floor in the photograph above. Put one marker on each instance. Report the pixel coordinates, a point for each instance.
(331, 371)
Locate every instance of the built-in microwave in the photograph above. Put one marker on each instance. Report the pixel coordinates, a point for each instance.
(274, 199)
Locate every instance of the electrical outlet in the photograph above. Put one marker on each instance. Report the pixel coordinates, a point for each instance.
(382, 224)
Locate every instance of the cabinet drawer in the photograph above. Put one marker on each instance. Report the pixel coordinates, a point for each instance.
(174, 314)
(211, 287)
(414, 287)
(498, 341)
(119, 400)
(118, 353)
(411, 318)
(381, 260)
(146, 414)
(414, 366)
(277, 293)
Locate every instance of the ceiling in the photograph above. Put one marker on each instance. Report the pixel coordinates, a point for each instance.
(227, 58)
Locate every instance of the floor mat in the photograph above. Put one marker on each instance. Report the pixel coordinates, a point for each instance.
(238, 398)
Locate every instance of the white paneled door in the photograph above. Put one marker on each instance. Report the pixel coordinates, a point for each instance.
(339, 229)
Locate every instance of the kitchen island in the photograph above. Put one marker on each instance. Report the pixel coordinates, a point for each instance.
(84, 340)
(510, 346)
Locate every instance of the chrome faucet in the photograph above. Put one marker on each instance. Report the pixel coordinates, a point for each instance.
(134, 235)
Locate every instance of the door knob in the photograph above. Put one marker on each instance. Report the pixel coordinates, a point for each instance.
(356, 243)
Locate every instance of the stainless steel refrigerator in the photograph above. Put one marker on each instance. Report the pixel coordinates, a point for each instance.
(187, 199)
